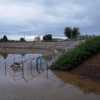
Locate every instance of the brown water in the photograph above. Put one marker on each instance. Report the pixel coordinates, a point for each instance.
(28, 83)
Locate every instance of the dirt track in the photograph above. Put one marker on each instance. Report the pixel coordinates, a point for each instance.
(36, 47)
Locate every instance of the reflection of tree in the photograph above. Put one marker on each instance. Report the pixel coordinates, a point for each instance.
(5, 55)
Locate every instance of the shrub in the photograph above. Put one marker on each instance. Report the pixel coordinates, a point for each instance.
(47, 37)
(22, 39)
(76, 56)
(4, 39)
(71, 33)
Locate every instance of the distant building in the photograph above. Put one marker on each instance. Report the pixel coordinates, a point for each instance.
(37, 38)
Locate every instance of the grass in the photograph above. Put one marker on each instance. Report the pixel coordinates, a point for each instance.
(78, 55)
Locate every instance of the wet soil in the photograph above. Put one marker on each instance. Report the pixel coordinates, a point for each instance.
(89, 69)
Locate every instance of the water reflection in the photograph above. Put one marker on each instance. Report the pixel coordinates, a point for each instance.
(22, 66)
(18, 84)
(4, 56)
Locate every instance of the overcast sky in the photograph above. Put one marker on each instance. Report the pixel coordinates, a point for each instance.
(49, 16)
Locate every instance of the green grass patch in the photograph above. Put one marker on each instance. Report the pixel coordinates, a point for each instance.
(78, 55)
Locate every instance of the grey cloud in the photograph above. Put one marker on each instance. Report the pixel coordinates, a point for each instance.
(56, 14)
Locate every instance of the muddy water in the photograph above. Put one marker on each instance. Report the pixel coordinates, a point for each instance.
(30, 83)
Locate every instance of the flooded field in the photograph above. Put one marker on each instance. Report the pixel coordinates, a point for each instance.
(26, 77)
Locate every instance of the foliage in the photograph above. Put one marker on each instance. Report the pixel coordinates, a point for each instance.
(68, 32)
(71, 33)
(47, 37)
(22, 40)
(78, 55)
(75, 32)
(4, 39)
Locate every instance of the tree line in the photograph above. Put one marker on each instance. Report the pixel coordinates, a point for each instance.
(69, 32)
(5, 39)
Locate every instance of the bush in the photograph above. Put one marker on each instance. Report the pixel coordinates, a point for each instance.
(4, 39)
(71, 33)
(76, 56)
(47, 37)
(22, 39)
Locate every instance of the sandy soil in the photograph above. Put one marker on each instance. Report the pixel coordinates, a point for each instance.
(86, 85)
(86, 76)
(90, 68)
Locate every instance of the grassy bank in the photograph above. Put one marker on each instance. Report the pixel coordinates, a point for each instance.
(78, 55)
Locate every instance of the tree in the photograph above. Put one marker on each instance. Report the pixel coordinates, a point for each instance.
(22, 39)
(68, 32)
(47, 37)
(71, 33)
(75, 32)
(4, 39)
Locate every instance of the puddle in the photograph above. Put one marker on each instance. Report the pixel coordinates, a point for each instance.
(23, 77)
(21, 66)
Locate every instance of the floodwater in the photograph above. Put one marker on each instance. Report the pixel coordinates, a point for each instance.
(23, 77)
